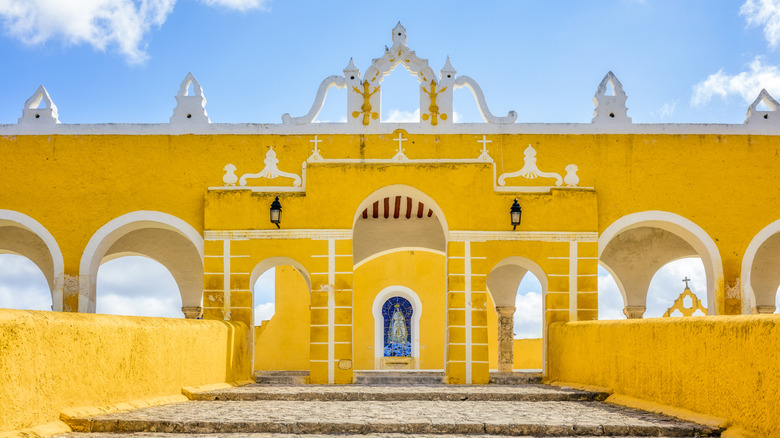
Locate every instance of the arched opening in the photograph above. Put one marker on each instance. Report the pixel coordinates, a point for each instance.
(667, 286)
(134, 285)
(635, 247)
(398, 250)
(400, 97)
(22, 284)
(161, 237)
(281, 313)
(761, 271)
(611, 302)
(517, 287)
(21, 235)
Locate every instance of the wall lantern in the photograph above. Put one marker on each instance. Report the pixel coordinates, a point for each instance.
(276, 212)
(514, 213)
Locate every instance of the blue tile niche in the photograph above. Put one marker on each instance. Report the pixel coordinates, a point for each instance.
(397, 328)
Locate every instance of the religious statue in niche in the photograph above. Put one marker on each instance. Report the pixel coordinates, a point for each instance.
(397, 314)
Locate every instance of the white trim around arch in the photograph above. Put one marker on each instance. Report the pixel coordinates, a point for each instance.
(273, 262)
(684, 228)
(58, 265)
(379, 341)
(748, 295)
(109, 233)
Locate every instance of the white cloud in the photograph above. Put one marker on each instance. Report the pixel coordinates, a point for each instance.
(22, 284)
(239, 5)
(764, 13)
(137, 286)
(668, 109)
(263, 312)
(103, 24)
(528, 316)
(399, 116)
(746, 84)
(610, 299)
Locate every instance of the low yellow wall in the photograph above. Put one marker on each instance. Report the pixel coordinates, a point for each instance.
(51, 361)
(725, 366)
(528, 354)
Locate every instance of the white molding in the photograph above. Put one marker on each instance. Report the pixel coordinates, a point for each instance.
(390, 128)
(748, 295)
(683, 228)
(376, 309)
(394, 250)
(543, 236)
(58, 264)
(468, 309)
(313, 234)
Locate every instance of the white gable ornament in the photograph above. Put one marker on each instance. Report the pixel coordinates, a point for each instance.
(754, 116)
(531, 171)
(33, 113)
(364, 94)
(610, 108)
(190, 109)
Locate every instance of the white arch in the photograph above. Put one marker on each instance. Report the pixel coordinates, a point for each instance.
(379, 322)
(619, 283)
(273, 262)
(748, 295)
(58, 264)
(109, 233)
(402, 190)
(683, 228)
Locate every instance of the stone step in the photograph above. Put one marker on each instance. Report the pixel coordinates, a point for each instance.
(284, 435)
(394, 393)
(281, 377)
(401, 378)
(410, 418)
(515, 378)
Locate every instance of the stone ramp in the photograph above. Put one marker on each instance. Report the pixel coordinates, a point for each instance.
(410, 417)
(394, 393)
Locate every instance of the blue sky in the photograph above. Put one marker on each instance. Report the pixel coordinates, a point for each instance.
(121, 61)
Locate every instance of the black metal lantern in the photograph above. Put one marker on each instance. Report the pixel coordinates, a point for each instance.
(276, 212)
(515, 213)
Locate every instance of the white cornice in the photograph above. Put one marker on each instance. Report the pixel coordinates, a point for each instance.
(388, 129)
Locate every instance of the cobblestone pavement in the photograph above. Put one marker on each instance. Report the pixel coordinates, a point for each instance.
(394, 393)
(280, 435)
(411, 417)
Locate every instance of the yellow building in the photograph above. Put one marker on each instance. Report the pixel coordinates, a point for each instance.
(395, 244)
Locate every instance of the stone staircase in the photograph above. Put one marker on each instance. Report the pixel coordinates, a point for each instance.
(275, 411)
(399, 378)
(281, 377)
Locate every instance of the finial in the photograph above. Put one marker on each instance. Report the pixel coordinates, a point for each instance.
(399, 34)
(686, 280)
(33, 113)
(351, 66)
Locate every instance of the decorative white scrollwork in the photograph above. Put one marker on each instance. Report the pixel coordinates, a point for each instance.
(476, 90)
(270, 171)
(530, 171)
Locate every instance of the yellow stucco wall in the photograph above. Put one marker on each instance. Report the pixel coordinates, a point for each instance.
(528, 354)
(284, 343)
(53, 361)
(423, 273)
(631, 173)
(725, 366)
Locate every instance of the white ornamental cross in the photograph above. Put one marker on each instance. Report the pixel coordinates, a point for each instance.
(315, 155)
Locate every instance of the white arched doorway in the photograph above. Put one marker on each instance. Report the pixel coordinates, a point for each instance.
(760, 274)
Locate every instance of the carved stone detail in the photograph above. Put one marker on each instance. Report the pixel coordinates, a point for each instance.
(610, 108)
(765, 309)
(270, 171)
(190, 109)
(506, 338)
(529, 170)
(192, 312)
(755, 116)
(634, 312)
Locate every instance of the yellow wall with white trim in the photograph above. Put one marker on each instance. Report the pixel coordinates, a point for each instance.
(51, 361)
(724, 366)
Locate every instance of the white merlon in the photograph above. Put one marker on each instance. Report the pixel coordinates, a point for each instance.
(190, 109)
(755, 116)
(34, 114)
(610, 108)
